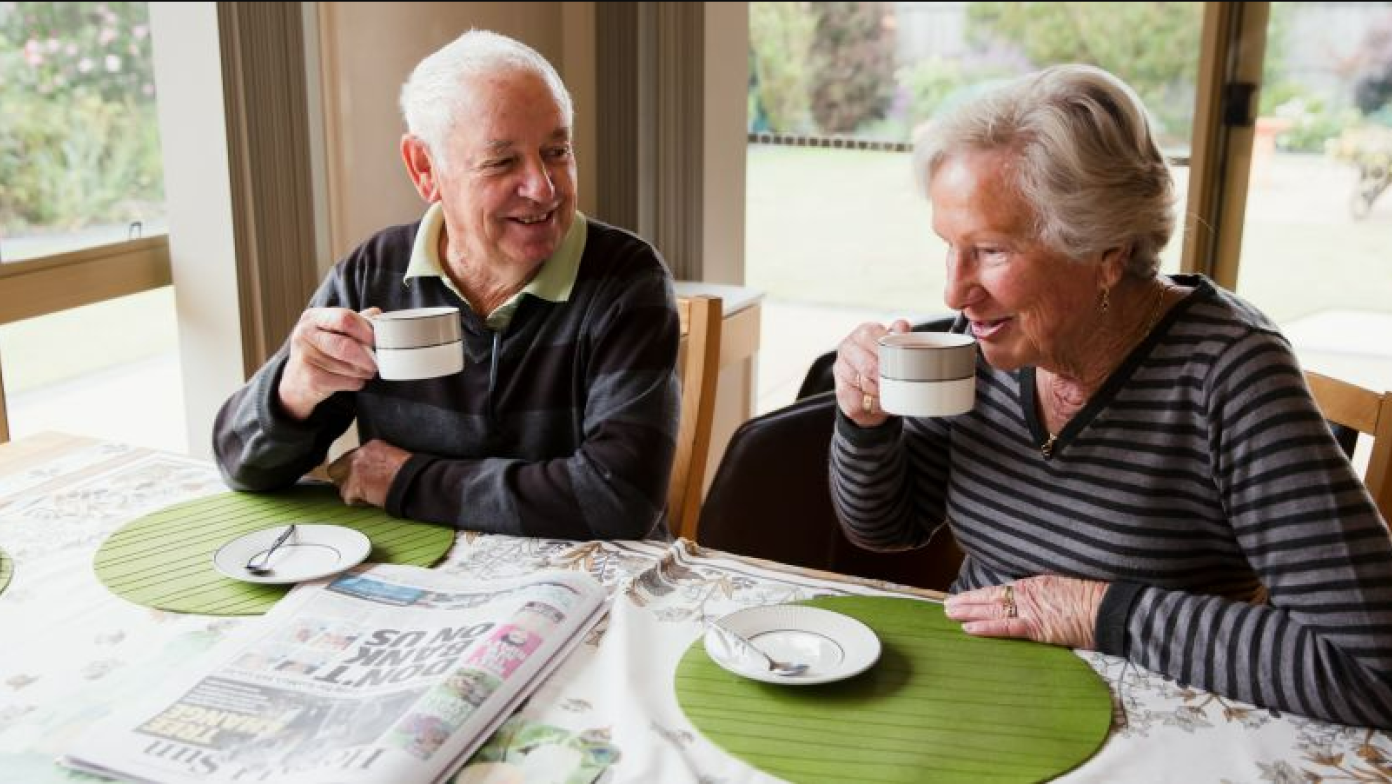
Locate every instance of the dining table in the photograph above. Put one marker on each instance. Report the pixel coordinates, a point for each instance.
(72, 652)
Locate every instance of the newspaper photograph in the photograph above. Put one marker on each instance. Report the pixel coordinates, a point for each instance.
(385, 674)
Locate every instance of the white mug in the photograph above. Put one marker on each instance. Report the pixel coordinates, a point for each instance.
(926, 374)
(418, 343)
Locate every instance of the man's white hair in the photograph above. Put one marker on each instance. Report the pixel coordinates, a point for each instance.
(439, 88)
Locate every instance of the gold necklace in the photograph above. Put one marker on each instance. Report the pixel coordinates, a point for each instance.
(1047, 448)
(1155, 310)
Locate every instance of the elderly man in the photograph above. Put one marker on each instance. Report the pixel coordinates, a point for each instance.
(563, 421)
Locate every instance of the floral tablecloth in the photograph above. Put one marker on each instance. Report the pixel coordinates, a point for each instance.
(70, 651)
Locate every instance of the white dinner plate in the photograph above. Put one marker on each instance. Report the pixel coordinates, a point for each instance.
(311, 552)
(832, 645)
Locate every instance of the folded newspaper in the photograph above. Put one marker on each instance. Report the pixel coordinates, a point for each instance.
(385, 674)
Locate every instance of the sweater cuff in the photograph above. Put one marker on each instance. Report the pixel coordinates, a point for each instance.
(1112, 615)
(402, 482)
(880, 435)
(273, 418)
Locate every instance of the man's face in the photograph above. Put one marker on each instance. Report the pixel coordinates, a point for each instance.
(508, 188)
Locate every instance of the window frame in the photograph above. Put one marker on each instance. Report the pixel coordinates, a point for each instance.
(63, 281)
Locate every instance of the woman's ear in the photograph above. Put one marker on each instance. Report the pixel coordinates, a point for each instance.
(421, 167)
(1113, 266)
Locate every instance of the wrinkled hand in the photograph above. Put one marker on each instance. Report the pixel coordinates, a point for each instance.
(364, 475)
(857, 373)
(329, 352)
(1048, 608)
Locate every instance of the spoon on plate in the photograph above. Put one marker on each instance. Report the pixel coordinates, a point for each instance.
(775, 666)
(260, 563)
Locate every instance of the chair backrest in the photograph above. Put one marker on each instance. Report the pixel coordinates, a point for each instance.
(700, 369)
(1352, 406)
(4, 415)
(770, 498)
(818, 378)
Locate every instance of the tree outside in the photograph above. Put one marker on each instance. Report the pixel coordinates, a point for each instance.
(1372, 92)
(852, 79)
(841, 66)
(1132, 40)
(79, 144)
(781, 37)
(845, 68)
(839, 236)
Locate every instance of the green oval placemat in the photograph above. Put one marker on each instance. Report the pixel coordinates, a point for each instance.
(939, 706)
(6, 570)
(165, 560)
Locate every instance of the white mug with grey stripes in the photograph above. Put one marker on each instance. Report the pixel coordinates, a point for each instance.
(926, 374)
(418, 343)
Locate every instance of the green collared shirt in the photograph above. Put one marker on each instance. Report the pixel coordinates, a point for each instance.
(553, 283)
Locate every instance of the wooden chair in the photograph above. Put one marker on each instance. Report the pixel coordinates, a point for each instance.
(699, 367)
(1368, 412)
(4, 415)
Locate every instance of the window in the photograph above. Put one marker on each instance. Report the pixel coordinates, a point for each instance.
(81, 219)
(79, 150)
(1318, 222)
(836, 233)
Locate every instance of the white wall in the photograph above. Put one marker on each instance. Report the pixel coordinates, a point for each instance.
(198, 194)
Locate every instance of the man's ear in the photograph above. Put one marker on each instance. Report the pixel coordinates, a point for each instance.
(421, 166)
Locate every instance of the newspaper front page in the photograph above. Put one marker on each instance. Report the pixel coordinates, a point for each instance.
(384, 674)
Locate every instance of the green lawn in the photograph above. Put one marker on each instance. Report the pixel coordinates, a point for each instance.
(839, 227)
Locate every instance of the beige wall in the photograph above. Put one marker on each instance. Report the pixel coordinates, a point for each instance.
(368, 49)
(724, 138)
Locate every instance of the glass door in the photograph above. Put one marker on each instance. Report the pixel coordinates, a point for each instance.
(1317, 233)
(836, 233)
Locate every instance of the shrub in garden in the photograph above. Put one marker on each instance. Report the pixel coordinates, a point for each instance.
(78, 138)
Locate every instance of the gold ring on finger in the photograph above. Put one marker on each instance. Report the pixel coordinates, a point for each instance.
(867, 403)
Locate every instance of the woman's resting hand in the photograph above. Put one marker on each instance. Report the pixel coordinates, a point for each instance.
(1047, 608)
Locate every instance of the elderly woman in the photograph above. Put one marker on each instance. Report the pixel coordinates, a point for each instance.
(1144, 461)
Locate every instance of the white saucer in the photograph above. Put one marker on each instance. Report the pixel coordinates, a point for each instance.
(311, 552)
(834, 646)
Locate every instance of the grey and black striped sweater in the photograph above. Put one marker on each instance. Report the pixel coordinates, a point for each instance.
(574, 438)
(1201, 471)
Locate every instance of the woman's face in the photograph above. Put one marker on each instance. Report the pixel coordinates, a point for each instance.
(1027, 304)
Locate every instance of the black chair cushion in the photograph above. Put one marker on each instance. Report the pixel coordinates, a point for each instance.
(770, 498)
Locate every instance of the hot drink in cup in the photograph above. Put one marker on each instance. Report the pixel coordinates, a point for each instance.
(418, 343)
(926, 374)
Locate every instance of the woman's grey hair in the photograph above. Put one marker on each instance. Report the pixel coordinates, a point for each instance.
(1087, 161)
(438, 89)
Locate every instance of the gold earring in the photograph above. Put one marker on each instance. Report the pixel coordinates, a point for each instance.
(1106, 301)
